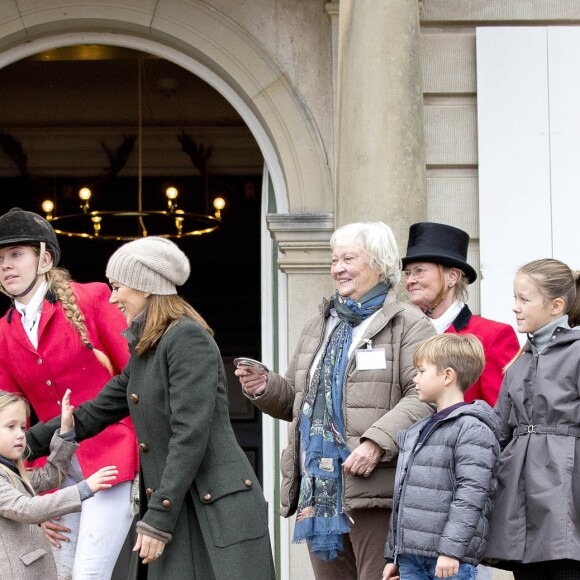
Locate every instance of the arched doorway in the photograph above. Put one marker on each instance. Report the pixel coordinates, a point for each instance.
(70, 122)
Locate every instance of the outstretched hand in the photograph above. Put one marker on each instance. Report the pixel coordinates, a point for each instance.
(101, 479)
(252, 379)
(67, 421)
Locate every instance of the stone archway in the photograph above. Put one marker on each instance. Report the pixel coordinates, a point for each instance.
(215, 48)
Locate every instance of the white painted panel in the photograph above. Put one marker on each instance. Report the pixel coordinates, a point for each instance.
(564, 67)
(514, 172)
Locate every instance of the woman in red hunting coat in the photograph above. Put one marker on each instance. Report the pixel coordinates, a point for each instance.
(60, 335)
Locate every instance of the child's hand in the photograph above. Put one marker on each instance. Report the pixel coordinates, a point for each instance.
(67, 421)
(391, 572)
(54, 532)
(100, 479)
(446, 567)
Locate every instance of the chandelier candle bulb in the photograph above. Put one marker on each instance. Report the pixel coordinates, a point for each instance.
(47, 207)
(171, 194)
(219, 203)
(85, 194)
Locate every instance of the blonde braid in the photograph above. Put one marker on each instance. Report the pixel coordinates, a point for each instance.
(59, 281)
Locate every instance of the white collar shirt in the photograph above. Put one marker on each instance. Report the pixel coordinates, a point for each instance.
(30, 313)
(442, 323)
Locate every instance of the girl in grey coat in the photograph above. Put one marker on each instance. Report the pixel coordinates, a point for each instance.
(536, 520)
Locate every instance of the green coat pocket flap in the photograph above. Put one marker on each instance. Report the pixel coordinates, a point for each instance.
(222, 480)
(235, 510)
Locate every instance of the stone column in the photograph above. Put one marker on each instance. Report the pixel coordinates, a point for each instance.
(304, 256)
(381, 145)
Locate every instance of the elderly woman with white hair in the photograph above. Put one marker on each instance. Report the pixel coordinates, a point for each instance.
(347, 392)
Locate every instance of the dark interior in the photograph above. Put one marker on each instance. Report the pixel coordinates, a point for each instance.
(67, 120)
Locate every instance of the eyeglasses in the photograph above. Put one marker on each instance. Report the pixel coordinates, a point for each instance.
(416, 273)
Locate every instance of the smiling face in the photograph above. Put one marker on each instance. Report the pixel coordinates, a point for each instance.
(130, 302)
(12, 431)
(18, 270)
(532, 309)
(351, 272)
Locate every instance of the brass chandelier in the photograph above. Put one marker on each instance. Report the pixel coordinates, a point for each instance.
(131, 224)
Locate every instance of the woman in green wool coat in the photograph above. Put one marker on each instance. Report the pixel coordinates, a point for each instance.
(203, 515)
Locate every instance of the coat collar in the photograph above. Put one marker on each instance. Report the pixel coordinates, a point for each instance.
(9, 464)
(50, 296)
(561, 336)
(462, 319)
(17, 330)
(136, 328)
(478, 409)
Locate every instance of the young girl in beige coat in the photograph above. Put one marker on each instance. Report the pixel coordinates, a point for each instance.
(24, 551)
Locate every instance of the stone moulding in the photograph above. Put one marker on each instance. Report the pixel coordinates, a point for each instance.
(303, 241)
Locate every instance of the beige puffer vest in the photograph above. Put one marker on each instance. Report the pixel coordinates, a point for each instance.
(376, 403)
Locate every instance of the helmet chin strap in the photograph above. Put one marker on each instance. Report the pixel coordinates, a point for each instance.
(40, 271)
(443, 293)
(43, 269)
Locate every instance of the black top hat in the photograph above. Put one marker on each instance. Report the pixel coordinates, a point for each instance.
(440, 244)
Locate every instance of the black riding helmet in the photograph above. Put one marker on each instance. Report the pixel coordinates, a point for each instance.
(19, 227)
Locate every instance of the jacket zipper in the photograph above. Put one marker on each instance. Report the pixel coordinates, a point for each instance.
(349, 365)
(400, 493)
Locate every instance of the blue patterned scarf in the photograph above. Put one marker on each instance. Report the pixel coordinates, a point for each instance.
(322, 432)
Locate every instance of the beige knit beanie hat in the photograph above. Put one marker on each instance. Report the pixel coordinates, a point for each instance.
(151, 264)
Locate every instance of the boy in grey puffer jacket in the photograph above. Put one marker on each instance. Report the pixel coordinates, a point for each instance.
(447, 469)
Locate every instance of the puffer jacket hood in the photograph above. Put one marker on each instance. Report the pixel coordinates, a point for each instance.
(482, 411)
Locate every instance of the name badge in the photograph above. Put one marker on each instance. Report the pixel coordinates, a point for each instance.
(371, 359)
